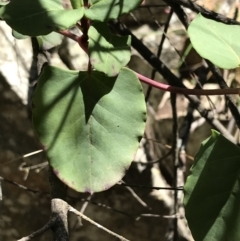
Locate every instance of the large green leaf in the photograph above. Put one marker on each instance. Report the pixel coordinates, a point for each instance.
(39, 17)
(216, 41)
(103, 10)
(108, 53)
(89, 124)
(212, 191)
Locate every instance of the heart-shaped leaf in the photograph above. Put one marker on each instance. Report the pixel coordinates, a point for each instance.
(89, 124)
(39, 17)
(216, 41)
(103, 10)
(212, 191)
(108, 53)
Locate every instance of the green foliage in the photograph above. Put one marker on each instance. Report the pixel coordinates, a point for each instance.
(17, 35)
(103, 10)
(49, 41)
(90, 125)
(108, 53)
(212, 191)
(89, 122)
(77, 3)
(39, 17)
(45, 42)
(216, 41)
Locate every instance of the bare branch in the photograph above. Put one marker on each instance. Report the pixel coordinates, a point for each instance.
(22, 186)
(39, 232)
(73, 210)
(22, 157)
(150, 187)
(134, 194)
(207, 13)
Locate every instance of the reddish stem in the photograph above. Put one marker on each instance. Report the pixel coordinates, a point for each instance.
(172, 89)
(70, 35)
(82, 41)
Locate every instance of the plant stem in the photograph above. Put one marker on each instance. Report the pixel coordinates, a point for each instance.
(70, 35)
(82, 41)
(173, 89)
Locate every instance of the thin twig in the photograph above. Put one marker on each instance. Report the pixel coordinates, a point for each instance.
(159, 160)
(150, 187)
(22, 157)
(176, 162)
(83, 208)
(150, 215)
(134, 194)
(70, 197)
(22, 186)
(73, 210)
(39, 232)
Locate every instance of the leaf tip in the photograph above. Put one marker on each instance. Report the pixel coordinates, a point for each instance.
(215, 133)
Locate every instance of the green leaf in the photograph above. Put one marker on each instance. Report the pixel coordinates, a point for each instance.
(39, 17)
(212, 191)
(216, 41)
(89, 124)
(77, 3)
(17, 35)
(103, 10)
(45, 42)
(49, 41)
(108, 53)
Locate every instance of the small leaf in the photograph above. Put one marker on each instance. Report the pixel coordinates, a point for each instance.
(39, 17)
(49, 41)
(212, 191)
(103, 10)
(216, 41)
(108, 53)
(89, 124)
